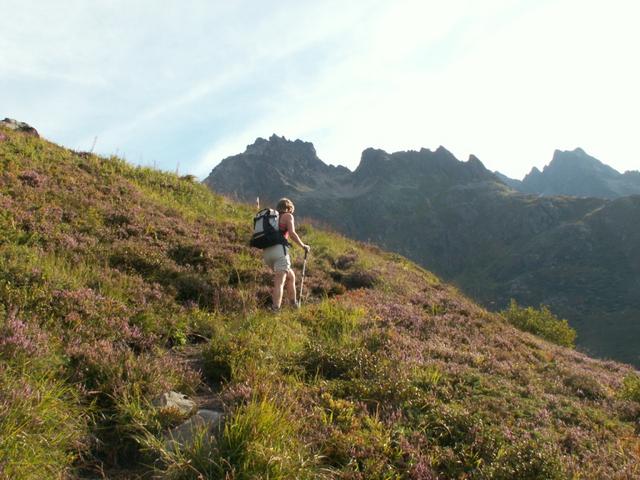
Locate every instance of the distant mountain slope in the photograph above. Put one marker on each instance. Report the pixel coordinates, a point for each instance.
(461, 221)
(577, 174)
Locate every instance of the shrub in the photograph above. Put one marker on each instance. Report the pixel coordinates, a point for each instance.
(360, 279)
(541, 322)
(630, 389)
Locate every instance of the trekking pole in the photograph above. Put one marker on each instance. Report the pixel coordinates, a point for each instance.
(304, 268)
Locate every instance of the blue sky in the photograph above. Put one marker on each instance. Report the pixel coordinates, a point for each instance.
(190, 82)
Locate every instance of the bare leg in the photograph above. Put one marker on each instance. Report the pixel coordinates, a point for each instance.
(278, 286)
(291, 286)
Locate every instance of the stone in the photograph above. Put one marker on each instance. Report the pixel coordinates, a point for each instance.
(176, 401)
(12, 124)
(183, 435)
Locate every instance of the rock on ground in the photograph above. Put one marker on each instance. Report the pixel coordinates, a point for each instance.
(177, 401)
(185, 434)
(19, 126)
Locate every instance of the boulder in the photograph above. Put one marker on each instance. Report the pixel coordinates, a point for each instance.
(12, 124)
(176, 401)
(207, 422)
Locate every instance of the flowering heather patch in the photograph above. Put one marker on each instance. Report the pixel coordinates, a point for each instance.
(18, 337)
(129, 282)
(32, 179)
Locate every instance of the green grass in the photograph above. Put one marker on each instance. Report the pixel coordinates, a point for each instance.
(42, 424)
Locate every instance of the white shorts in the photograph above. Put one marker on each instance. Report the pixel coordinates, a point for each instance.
(277, 257)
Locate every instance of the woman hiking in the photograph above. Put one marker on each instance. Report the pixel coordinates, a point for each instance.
(277, 257)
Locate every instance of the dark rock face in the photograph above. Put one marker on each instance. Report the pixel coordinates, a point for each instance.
(580, 256)
(577, 174)
(271, 169)
(19, 126)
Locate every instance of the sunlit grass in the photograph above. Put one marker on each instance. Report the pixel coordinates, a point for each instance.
(42, 425)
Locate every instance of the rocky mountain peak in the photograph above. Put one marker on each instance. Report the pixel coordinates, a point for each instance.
(576, 173)
(535, 172)
(444, 153)
(371, 156)
(271, 169)
(579, 159)
(476, 164)
(281, 148)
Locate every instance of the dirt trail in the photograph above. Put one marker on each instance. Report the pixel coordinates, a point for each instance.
(207, 396)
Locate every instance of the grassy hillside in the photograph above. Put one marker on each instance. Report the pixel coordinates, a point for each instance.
(120, 283)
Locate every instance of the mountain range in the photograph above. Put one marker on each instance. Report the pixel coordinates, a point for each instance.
(578, 255)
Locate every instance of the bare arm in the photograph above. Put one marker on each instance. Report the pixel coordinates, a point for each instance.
(288, 221)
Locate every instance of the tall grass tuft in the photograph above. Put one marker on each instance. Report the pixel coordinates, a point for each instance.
(42, 427)
(260, 440)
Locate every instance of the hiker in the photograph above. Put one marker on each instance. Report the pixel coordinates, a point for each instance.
(277, 256)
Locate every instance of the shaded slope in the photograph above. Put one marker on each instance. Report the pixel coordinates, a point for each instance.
(109, 271)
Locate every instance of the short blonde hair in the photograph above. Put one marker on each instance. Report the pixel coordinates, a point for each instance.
(285, 206)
